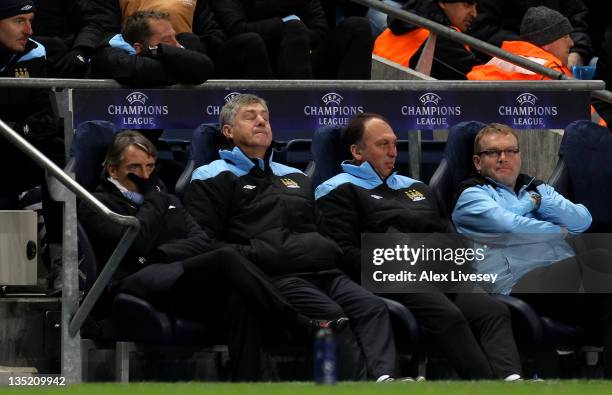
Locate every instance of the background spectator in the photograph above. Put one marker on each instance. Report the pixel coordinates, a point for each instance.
(298, 38)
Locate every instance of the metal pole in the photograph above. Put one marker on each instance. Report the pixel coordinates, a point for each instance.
(299, 85)
(44, 162)
(96, 290)
(70, 343)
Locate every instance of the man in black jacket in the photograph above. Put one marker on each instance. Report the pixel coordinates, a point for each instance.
(370, 197)
(266, 211)
(27, 110)
(174, 265)
(147, 53)
(300, 43)
(242, 57)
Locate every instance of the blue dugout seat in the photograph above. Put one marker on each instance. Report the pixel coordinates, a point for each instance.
(584, 171)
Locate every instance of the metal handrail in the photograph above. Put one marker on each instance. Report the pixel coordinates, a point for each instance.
(388, 85)
(132, 224)
(64, 178)
(473, 42)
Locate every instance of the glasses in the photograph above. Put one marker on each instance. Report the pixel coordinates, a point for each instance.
(496, 153)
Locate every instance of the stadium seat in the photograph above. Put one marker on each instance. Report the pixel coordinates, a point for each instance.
(87, 152)
(205, 141)
(530, 329)
(296, 153)
(583, 72)
(456, 164)
(586, 181)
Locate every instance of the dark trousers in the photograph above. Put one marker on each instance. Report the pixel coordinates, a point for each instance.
(592, 312)
(345, 53)
(220, 287)
(242, 57)
(590, 271)
(472, 330)
(330, 296)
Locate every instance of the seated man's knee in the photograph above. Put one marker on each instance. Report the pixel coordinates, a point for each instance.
(356, 25)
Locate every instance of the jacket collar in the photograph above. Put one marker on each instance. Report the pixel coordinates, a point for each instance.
(523, 181)
(7, 57)
(239, 159)
(366, 172)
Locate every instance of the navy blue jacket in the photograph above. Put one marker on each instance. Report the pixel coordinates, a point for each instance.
(360, 201)
(264, 209)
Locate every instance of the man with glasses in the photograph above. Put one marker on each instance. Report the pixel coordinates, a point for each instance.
(526, 229)
(500, 200)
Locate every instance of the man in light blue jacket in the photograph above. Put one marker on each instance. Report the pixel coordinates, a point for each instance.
(525, 219)
(523, 225)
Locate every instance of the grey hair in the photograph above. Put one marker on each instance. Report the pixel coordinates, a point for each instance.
(122, 141)
(230, 109)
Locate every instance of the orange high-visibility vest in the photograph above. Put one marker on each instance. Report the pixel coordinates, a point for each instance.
(181, 11)
(497, 69)
(400, 48)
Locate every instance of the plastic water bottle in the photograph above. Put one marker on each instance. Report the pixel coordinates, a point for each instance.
(325, 357)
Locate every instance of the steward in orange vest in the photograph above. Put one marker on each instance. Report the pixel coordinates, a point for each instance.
(546, 41)
(403, 42)
(499, 69)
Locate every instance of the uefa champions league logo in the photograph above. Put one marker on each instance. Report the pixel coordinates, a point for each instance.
(526, 98)
(137, 97)
(230, 96)
(430, 98)
(332, 97)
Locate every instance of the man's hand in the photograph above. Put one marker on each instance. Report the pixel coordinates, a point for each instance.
(537, 200)
(74, 64)
(574, 59)
(147, 185)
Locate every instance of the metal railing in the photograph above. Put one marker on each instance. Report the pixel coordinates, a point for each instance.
(73, 315)
(473, 42)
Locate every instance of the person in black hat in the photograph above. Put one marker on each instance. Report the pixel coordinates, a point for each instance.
(545, 39)
(403, 42)
(500, 20)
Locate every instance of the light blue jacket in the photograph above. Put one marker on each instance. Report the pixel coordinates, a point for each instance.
(517, 238)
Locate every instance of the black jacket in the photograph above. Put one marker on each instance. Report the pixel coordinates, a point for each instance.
(264, 209)
(167, 233)
(500, 20)
(265, 17)
(452, 60)
(359, 201)
(103, 19)
(168, 66)
(28, 110)
(59, 18)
